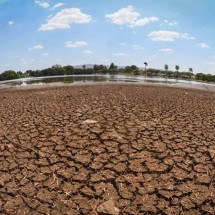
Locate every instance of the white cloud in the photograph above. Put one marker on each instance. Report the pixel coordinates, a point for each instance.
(38, 47)
(71, 44)
(87, 52)
(137, 47)
(57, 6)
(167, 50)
(119, 54)
(167, 36)
(128, 16)
(144, 21)
(10, 22)
(45, 54)
(123, 16)
(203, 45)
(42, 4)
(65, 18)
(170, 23)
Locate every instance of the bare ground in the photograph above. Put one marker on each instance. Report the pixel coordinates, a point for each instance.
(67, 150)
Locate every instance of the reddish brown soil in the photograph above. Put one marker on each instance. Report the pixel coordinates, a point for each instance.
(67, 150)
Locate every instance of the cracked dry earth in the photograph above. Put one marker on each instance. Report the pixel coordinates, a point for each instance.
(68, 150)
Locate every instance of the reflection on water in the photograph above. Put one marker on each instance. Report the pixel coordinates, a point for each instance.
(81, 79)
(57, 79)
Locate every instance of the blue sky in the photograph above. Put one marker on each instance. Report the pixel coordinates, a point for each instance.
(36, 34)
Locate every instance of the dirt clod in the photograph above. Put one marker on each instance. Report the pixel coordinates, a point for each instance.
(108, 207)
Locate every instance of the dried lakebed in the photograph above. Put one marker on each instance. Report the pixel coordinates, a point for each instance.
(114, 149)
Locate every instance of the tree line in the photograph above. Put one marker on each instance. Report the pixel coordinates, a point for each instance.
(58, 70)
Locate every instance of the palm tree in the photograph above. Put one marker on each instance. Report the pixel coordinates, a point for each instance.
(146, 64)
(166, 67)
(190, 70)
(177, 67)
(84, 67)
(177, 74)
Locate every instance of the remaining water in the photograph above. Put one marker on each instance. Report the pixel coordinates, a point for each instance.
(80, 79)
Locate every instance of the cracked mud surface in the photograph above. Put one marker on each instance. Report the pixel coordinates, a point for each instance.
(67, 150)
